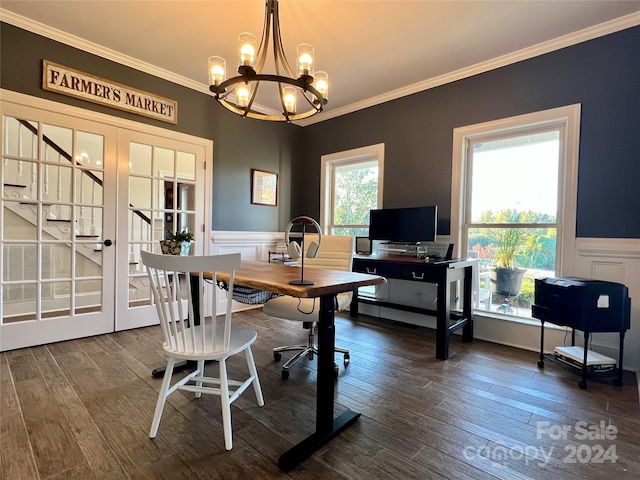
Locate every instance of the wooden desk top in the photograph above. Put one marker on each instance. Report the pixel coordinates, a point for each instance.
(275, 278)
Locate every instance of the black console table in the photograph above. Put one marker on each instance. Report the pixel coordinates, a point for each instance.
(443, 273)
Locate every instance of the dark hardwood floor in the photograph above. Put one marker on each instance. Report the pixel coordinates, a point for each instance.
(82, 410)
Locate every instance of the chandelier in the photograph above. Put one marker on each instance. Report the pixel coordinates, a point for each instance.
(300, 96)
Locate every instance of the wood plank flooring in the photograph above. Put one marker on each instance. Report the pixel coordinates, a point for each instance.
(82, 410)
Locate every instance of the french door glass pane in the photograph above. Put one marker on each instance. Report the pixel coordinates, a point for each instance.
(89, 150)
(140, 192)
(89, 187)
(186, 164)
(164, 162)
(140, 159)
(56, 180)
(56, 261)
(19, 179)
(19, 216)
(88, 295)
(20, 138)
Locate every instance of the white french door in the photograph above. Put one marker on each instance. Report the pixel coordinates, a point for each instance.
(57, 274)
(82, 194)
(161, 185)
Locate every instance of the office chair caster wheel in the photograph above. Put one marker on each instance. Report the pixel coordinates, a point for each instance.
(347, 359)
(582, 384)
(277, 356)
(336, 371)
(540, 364)
(285, 374)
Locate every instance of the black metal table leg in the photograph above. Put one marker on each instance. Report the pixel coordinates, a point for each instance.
(327, 427)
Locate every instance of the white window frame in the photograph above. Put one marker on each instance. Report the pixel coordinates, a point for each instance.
(568, 120)
(329, 162)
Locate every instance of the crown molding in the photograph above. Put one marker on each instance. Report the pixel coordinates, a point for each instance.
(574, 38)
(94, 48)
(606, 28)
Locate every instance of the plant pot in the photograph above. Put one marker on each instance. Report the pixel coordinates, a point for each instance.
(506, 281)
(175, 247)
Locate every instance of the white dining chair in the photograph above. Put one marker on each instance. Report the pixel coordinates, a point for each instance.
(191, 335)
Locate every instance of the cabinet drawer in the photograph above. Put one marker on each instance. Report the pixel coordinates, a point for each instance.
(418, 273)
(383, 269)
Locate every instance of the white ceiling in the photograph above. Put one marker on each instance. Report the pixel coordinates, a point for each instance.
(373, 50)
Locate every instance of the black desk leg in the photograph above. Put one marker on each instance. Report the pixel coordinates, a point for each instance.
(442, 316)
(467, 305)
(618, 380)
(353, 307)
(326, 426)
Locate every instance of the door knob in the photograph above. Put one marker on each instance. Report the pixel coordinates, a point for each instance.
(107, 243)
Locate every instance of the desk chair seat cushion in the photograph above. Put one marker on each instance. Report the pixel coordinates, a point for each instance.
(302, 309)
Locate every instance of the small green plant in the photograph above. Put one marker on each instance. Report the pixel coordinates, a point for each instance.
(510, 243)
(182, 236)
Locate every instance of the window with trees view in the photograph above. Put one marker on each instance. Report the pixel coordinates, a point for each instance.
(351, 186)
(511, 185)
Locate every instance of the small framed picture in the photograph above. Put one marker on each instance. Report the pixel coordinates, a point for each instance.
(363, 245)
(264, 187)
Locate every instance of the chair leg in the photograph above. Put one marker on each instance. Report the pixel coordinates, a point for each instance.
(288, 348)
(296, 358)
(226, 405)
(162, 397)
(201, 374)
(312, 342)
(254, 372)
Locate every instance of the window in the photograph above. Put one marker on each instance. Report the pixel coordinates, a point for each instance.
(351, 186)
(514, 195)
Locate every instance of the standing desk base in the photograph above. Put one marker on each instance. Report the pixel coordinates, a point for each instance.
(327, 427)
(293, 457)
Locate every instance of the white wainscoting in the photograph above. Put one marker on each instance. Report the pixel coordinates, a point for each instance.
(251, 245)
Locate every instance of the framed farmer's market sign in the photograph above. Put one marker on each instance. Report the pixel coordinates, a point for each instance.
(73, 83)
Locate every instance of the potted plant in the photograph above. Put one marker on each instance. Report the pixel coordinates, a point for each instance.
(505, 276)
(177, 243)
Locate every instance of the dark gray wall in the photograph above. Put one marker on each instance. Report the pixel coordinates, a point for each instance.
(239, 144)
(602, 74)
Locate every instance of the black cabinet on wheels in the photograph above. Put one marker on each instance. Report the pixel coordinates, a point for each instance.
(586, 305)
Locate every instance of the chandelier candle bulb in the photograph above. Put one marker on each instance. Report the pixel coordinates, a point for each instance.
(321, 83)
(243, 92)
(247, 42)
(305, 59)
(289, 97)
(217, 68)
